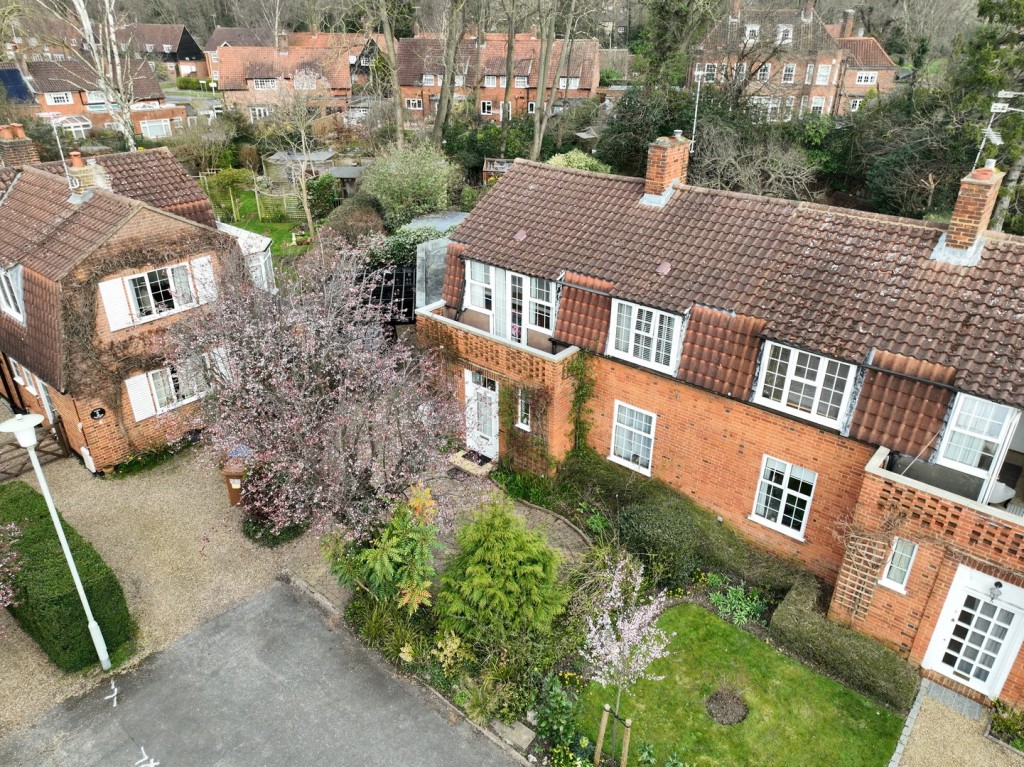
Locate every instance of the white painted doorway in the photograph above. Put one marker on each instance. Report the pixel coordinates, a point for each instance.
(482, 414)
(979, 632)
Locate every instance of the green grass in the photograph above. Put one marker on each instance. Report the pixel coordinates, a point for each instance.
(797, 718)
(285, 254)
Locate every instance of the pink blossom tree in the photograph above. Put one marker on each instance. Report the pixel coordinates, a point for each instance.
(623, 639)
(335, 418)
(9, 566)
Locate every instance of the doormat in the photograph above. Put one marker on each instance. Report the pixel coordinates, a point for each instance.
(477, 458)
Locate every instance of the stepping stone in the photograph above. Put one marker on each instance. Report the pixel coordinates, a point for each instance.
(518, 735)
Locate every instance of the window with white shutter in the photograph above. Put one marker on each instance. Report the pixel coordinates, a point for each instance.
(115, 304)
(206, 283)
(140, 395)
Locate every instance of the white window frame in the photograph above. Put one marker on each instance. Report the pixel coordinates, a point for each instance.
(563, 83)
(12, 293)
(817, 384)
(855, 103)
(150, 47)
(172, 381)
(824, 72)
(764, 73)
(486, 288)
(59, 98)
(502, 81)
(789, 73)
(523, 410)
(619, 336)
(616, 425)
(752, 33)
(867, 78)
(535, 302)
(953, 428)
(163, 128)
(167, 48)
(364, 61)
(809, 75)
(214, 57)
(490, 81)
(788, 115)
(428, 79)
(261, 270)
(258, 113)
(531, 107)
(787, 469)
(486, 107)
(784, 34)
(460, 81)
(892, 583)
(95, 97)
(264, 84)
(710, 73)
(740, 74)
(574, 83)
(522, 82)
(817, 105)
(18, 373)
(414, 104)
(154, 311)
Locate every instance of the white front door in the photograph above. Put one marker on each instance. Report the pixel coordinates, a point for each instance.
(482, 414)
(979, 632)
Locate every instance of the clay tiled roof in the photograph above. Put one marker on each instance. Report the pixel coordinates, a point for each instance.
(867, 52)
(157, 35)
(154, 177)
(720, 351)
(238, 36)
(836, 281)
(61, 76)
(454, 276)
(419, 55)
(239, 64)
(922, 403)
(584, 312)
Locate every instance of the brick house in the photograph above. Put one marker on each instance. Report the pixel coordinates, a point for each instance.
(790, 64)
(481, 74)
(841, 387)
(254, 79)
(66, 92)
(228, 37)
(90, 279)
(170, 44)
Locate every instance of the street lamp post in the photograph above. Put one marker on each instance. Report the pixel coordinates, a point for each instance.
(23, 427)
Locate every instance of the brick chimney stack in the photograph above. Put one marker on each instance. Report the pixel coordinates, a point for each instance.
(849, 17)
(979, 191)
(735, 12)
(668, 160)
(15, 147)
(808, 12)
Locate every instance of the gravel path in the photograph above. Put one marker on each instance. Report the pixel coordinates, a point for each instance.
(944, 737)
(174, 542)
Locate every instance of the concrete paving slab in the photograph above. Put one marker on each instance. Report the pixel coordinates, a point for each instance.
(267, 683)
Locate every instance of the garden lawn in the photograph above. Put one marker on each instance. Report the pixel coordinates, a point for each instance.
(797, 717)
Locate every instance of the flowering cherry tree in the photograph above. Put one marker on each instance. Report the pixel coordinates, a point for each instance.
(8, 564)
(622, 638)
(335, 417)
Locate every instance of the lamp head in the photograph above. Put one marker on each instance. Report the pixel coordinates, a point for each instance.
(23, 427)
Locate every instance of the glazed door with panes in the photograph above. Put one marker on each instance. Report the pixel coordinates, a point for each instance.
(481, 414)
(979, 632)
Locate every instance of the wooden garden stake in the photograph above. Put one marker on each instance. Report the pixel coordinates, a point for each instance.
(625, 743)
(600, 735)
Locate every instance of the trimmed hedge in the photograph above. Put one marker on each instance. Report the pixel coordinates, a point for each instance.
(670, 532)
(49, 609)
(856, 660)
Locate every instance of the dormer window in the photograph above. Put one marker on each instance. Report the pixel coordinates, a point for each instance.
(975, 436)
(150, 47)
(167, 49)
(428, 79)
(753, 31)
(264, 85)
(645, 336)
(784, 34)
(490, 81)
(11, 293)
(807, 385)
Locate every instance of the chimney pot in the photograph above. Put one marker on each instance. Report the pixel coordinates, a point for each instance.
(76, 160)
(19, 130)
(6, 133)
(990, 164)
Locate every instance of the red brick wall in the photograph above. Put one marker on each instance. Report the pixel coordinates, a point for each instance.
(947, 534)
(711, 448)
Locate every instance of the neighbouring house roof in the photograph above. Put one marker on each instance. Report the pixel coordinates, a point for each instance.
(836, 281)
(157, 35)
(154, 177)
(420, 55)
(238, 36)
(62, 76)
(442, 222)
(13, 82)
(249, 243)
(867, 52)
(240, 64)
(726, 35)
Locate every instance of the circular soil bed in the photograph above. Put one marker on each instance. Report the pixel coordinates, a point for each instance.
(726, 707)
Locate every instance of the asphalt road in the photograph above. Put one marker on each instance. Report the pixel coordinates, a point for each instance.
(267, 683)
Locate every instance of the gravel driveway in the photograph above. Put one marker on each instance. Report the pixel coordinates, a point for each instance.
(174, 542)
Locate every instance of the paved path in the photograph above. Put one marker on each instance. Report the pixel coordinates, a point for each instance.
(267, 683)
